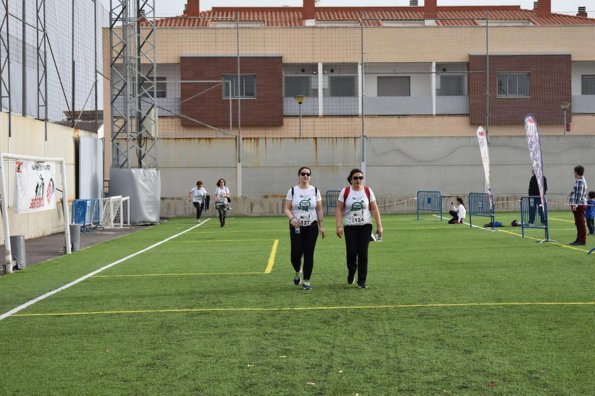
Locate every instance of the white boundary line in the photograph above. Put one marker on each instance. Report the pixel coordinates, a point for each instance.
(84, 277)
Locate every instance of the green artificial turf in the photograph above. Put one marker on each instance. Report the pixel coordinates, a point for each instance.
(449, 310)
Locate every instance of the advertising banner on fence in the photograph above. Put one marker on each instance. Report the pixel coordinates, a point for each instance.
(35, 186)
(534, 143)
(485, 158)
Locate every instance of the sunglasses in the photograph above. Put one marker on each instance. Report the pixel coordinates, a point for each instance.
(305, 174)
(357, 177)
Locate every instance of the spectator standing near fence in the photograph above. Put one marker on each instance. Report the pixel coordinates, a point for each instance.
(198, 195)
(355, 208)
(535, 199)
(303, 207)
(578, 204)
(590, 212)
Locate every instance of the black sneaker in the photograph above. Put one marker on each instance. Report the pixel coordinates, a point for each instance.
(362, 286)
(577, 243)
(297, 278)
(350, 279)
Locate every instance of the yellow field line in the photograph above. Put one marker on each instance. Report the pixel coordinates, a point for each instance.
(268, 269)
(552, 242)
(272, 256)
(293, 309)
(221, 240)
(563, 220)
(177, 274)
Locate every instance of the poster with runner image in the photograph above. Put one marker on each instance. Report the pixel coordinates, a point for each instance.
(35, 186)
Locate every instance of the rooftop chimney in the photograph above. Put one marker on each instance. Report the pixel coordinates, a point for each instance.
(582, 12)
(544, 8)
(309, 10)
(430, 9)
(192, 8)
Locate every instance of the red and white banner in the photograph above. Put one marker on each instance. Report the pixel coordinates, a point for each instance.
(35, 186)
(534, 143)
(485, 158)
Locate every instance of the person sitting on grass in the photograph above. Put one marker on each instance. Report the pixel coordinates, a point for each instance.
(458, 212)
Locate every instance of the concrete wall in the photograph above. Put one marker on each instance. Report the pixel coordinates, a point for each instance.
(396, 168)
(28, 138)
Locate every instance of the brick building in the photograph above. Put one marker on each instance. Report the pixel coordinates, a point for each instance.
(426, 70)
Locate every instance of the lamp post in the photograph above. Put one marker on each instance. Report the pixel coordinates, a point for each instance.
(300, 100)
(565, 106)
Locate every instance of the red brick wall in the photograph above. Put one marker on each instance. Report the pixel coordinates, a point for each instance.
(550, 85)
(211, 108)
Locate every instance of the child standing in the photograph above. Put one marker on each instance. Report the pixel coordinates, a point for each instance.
(590, 212)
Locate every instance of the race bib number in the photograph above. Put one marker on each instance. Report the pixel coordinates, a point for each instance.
(304, 219)
(357, 217)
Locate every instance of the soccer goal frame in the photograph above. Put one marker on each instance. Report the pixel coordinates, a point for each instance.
(4, 180)
(115, 212)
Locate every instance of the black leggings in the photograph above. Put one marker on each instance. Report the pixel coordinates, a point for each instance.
(222, 210)
(199, 208)
(303, 244)
(357, 239)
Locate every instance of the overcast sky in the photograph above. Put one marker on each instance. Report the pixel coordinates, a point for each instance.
(176, 7)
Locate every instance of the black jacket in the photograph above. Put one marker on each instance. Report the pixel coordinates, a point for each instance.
(534, 188)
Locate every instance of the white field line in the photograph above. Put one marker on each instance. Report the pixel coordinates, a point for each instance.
(84, 277)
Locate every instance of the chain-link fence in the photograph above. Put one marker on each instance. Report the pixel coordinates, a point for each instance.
(238, 76)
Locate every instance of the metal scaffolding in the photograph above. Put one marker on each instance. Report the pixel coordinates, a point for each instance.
(5, 63)
(133, 83)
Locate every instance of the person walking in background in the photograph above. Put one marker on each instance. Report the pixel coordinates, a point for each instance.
(535, 199)
(198, 195)
(458, 212)
(355, 208)
(590, 212)
(578, 204)
(222, 200)
(303, 207)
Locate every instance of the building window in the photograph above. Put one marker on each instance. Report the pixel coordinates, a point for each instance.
(513, 85)
(245, 89)
(588, 84)
(160, 87)
(452, 85)
(394, 86)
(342, 86)
(298, 85)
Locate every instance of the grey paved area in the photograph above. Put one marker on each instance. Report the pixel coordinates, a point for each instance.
(44, 248)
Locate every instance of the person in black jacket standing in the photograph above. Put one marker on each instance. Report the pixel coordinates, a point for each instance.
(535, 199)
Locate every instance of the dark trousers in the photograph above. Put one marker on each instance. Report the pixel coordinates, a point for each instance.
(222, 211)
(199, 208)
(591, 225)
(534, 203)
(579, 222)
(303, 245)
(455, 217)
(357, 239)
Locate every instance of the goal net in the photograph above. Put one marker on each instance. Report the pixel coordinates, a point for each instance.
(115, 212)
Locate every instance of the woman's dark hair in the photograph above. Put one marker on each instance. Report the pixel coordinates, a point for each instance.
(353, 172)
(199, 183)
(460, 200)
(580, 170)
(221, 180)
(302, 168)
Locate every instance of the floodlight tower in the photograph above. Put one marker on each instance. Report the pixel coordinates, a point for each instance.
(133, 83)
